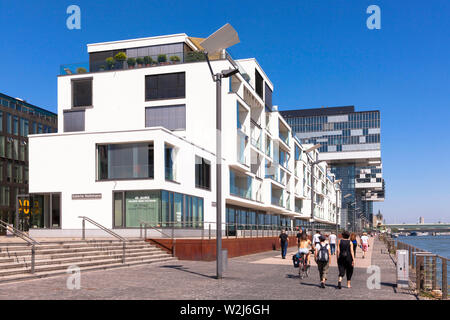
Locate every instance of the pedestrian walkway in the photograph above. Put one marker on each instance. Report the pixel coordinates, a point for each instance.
(245, 278)
(359, 263)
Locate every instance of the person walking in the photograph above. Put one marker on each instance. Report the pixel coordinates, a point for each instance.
(345, 259)
(316, 238)
(322, 257)
(299, 235)
(284, 242)
(332, 238)
(364, 244)
(355, 243)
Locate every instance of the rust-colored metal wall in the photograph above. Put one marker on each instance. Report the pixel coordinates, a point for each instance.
(197, 249)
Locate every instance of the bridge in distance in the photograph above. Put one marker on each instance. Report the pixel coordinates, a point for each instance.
(429, 227)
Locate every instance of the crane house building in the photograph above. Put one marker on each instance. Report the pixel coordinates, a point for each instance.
(136, 144)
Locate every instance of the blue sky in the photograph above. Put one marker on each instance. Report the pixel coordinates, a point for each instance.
(317, 53)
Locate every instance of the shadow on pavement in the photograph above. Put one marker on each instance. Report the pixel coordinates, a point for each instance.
(181, 268)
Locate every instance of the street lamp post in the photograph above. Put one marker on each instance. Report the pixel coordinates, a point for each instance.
(337, 183)
(220, 40)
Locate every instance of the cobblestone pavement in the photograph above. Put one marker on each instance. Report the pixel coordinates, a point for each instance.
(247, 277)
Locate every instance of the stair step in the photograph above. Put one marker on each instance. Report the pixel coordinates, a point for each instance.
(43, 251)
(26, 247)
(38, 275)
(118, 255)
(64, 266)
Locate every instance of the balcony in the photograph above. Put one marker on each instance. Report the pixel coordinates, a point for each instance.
(140, 62)
(240, 185)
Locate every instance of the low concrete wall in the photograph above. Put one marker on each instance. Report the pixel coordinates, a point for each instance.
(205, 250)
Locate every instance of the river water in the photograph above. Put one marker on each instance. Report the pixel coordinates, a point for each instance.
(436, 244)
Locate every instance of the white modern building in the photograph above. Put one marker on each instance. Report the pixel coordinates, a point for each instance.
(136, 143)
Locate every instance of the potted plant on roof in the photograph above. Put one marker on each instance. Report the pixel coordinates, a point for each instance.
(174, 59)
(162, 58)
(148, 61)
(140, 62)
(81, 70)
(131, 62)
(110, 63)
(120, 57)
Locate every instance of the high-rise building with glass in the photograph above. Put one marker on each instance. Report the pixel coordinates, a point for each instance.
(18, 119)
(351, 145)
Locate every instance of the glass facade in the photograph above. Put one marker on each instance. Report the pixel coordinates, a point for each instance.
(341, 130)
(17, 120)
(125, 161)
(158, 208)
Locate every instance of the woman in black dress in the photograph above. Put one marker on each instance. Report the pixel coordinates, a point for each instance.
(345, 258)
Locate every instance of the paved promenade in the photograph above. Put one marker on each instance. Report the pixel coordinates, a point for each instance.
(258, 276)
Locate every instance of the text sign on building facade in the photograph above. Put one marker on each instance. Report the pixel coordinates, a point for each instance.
(86, 196)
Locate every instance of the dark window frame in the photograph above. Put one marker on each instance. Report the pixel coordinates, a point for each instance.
(65, 112)
(203, 177)
(159, 86)
(73, 86)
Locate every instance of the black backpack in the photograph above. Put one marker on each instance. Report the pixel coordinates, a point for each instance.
(322, 255)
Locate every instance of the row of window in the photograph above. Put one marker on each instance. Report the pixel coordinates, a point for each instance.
(170, 117)
(8, 195)
(334, 126)
(158, 208)
(161, 86)
(13, 173)
(136, 161)
(11, 125)
(13, 104)
(13, 149)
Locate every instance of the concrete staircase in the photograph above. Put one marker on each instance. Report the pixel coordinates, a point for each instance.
(55, 257)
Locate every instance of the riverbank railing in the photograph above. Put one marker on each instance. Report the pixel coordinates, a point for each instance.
(428, 271)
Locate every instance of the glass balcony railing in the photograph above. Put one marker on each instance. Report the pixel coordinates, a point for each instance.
(241, 191)
(138, 62)
(284, 137)
(277, 201)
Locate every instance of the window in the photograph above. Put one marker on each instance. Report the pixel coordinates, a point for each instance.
(2, 146)
(259, 84)
(23, 127)
(169, 117)
(82, 92)
(158, 208)
(169, 160)
(202, 173)
(268, 96)
(16, 125)
(165, 86)
(73, 121)
(8, 123)
(125, 161)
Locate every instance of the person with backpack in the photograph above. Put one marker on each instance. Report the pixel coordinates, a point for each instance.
(345, 259)
(322, 257)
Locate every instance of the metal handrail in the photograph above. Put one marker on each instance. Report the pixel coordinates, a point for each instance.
(26, 238)
(423, 263)
(104, 229)
(19, 233)
(148, 224)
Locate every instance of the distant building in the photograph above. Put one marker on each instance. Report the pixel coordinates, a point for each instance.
(18, 119)
(377, 219)
(421, 220)
(351, 146)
